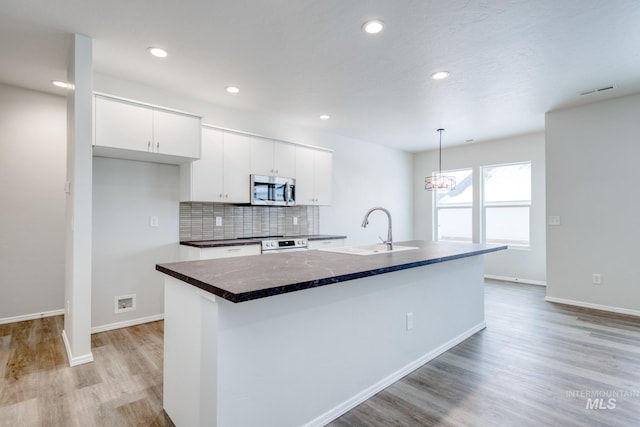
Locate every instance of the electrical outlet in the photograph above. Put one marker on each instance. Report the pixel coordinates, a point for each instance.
(553, 220)
(154, 221)
(409, 321)
(295, 220)
(597, 279)
(218, 221)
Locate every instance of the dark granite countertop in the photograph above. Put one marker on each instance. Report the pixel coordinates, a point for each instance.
(247, 278)
(253, 241)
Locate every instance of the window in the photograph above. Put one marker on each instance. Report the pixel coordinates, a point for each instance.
(506, 203)
(453, 209)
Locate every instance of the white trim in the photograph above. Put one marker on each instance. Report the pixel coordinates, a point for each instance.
(126, 323)
(241, 132)
(600, 307)
(515, 280)
(143, 104)
(75, 361)
(364, 395)
(32, 316)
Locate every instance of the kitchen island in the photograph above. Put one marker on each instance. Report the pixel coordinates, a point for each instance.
(300, 338)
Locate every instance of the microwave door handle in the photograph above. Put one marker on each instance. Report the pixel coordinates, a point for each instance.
(271, 192)
(289, 194)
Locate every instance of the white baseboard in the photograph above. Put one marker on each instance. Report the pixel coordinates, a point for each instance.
(31, 316)
(351, 403)
(601, 307)
(515, 280)
(126, 323)
(75, 361)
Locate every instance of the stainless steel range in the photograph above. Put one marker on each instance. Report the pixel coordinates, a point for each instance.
(284, 244)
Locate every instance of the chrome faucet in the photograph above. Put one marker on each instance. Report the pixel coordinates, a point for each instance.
(365, 222)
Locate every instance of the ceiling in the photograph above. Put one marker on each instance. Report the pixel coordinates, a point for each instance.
(510, 61)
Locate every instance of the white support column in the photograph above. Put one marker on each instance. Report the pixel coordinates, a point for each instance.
(77, 319)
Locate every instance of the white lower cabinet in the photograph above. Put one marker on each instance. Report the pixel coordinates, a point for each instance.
(325, 243)
(191, 253)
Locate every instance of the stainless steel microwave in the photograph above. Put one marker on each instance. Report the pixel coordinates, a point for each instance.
(273, 191)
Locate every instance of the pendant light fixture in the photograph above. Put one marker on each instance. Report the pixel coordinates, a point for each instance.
(438, 181)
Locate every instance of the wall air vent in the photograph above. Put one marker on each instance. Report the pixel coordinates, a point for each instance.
(602, 89)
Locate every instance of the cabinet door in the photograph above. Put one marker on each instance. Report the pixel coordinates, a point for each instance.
(120, 124)
(230, 251)
(237, 168)
(322, 170)
(305, 194)
(327, 243)
(176, 134)
(284, 159)
(262, 157)
(207, 173)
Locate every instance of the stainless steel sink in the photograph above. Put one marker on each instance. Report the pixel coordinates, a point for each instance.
(369, 250)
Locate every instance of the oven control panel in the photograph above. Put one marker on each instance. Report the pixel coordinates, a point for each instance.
(284, 244)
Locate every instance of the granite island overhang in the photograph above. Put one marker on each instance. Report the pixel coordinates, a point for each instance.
(300, 338)
(241, 279)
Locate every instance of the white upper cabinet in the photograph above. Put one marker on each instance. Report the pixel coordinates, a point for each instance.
(237, 168)
(284, 159)
(176, 134)
(126, 130)
(261, 156)
(122, 125)
(204, 177)
(323, 173)
(222, 173)
(313, 176)
(272, 158)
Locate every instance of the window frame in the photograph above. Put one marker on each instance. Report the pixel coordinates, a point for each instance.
(436, 216)
(503, 204)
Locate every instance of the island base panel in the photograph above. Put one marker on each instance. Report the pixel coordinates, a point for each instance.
(305, 358)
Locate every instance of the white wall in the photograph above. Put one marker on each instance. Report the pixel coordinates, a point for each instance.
(125, 248)
(592, 155)
(32, 217)
(521, 264)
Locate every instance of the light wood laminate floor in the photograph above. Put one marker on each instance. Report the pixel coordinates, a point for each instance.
(536, 364)
(123, 387)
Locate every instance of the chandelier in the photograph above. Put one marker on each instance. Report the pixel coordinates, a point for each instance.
(437, 181)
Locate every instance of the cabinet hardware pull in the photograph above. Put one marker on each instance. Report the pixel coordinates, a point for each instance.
(148, 145)
(233, 250)
(158, 147)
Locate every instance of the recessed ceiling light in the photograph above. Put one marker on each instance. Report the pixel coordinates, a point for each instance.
(325, 117)
(373, 27)
(59, 83)
(440, 75)
(232, 89)
(158, 52)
